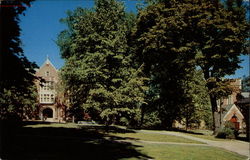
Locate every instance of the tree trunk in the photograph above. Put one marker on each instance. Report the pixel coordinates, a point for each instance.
(247, 120)
(167, 124)
(142, 116)
(215, 115)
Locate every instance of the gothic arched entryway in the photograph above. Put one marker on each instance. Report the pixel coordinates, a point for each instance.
(234, 120)
(47, 113)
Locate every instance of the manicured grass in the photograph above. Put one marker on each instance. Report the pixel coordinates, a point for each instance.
(53, 125)
(72, 141)
(199, 134)
(208, 137)
(179, 152)
(155, 137)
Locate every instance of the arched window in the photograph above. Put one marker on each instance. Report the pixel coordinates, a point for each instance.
(48, 113)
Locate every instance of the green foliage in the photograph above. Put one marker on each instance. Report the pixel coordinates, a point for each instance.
(197, 106)
(151, 121)
(17, 90)
(163, 43)
(246, 84)
(99, 72)
(172, 37)
(226, 132)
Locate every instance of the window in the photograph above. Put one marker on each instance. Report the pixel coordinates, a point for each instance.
(41, 97)
(52, 98)
(229, 99)
(44, 98)
(52, 85)
(46, 73)
(49, 85)
(47, 98)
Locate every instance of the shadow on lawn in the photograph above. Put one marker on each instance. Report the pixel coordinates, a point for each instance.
(47, 143)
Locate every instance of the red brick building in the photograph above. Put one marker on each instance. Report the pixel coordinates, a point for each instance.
(48, 108)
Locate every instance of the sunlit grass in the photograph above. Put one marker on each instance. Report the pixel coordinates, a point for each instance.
(199, 134)
(208, 137)
(53, 125)
(180, 152)
(155, 137)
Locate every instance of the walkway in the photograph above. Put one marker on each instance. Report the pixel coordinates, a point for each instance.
(242, 148)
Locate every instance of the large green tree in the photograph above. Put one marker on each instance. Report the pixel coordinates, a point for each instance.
(17, 90)
(168, 55)
(222, 37)
(175, 36)
(99, 71)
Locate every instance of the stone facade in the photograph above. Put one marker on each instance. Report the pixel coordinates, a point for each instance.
(48, 108)
(229, 112)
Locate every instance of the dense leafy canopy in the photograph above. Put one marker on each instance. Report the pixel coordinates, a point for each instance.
(174, 37)
(180, 46)
(98, 71)
(17, 90)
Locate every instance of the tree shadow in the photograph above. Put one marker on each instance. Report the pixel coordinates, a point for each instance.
(106, 129)
(47, 143)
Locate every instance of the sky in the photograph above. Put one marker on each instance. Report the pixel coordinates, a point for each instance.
(40, 28)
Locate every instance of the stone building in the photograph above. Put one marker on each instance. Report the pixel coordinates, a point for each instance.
(48, 108)
(228, 110)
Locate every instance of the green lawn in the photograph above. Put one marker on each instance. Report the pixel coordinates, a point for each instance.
(72, 141)
(154, 137)
(209, 137)
(199, 134)
(53, 125)
(178, 152)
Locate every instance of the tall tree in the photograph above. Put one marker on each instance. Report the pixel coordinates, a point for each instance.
(223, 33)
(17, 90)
(173, 36)
(98, 70)
(168, 55)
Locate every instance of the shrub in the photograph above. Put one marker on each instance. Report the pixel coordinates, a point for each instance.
(151, 121)
(124, 121)
(226, 132)
(231, 125)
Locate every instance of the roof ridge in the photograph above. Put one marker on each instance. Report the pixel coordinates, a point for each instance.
(47, 61)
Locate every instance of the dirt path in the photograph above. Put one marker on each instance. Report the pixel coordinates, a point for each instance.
(242, 148)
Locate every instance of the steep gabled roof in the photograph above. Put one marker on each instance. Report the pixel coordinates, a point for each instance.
(48, 62)
(230, 108)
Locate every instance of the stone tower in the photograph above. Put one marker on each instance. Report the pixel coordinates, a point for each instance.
(48, 108)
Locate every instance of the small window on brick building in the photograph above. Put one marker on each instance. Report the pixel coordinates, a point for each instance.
(52, 98)
(47, 96)
(47, 73)
(41, 97)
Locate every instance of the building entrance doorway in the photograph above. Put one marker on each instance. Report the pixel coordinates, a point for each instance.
(47, 113)
(234, 120)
